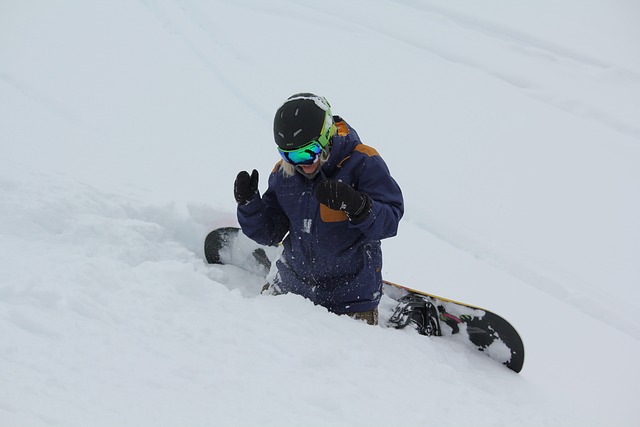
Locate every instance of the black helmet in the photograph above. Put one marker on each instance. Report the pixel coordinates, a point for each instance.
(302, 118)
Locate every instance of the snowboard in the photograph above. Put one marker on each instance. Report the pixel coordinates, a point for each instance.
(429, 314)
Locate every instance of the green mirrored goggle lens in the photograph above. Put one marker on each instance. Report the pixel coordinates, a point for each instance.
(306, 155)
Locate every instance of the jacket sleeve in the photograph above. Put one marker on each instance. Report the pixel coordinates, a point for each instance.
(262, 219)
(387, 203)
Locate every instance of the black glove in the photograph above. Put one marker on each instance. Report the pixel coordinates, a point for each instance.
(340, 196)
(245, 186)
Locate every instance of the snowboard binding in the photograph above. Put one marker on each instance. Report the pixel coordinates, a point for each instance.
(419, 311)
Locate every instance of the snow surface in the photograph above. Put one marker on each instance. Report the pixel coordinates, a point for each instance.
(512, 127)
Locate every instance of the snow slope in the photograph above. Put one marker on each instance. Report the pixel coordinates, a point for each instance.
(512, 128)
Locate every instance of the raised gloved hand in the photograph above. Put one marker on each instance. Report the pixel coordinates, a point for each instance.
(245, 186)
(340, 196)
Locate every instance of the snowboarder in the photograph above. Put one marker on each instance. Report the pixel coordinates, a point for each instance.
(334, 199)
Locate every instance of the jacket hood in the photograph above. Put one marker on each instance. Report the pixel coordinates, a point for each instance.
(343, 143)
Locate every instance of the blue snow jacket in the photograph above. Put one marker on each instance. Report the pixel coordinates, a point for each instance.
(326, 258)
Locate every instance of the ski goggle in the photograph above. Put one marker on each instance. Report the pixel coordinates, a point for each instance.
(307, 154)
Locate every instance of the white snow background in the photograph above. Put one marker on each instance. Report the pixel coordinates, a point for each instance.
(512, 127)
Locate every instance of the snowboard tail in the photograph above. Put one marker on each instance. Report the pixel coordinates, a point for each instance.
(429, 314)
(227, 245)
